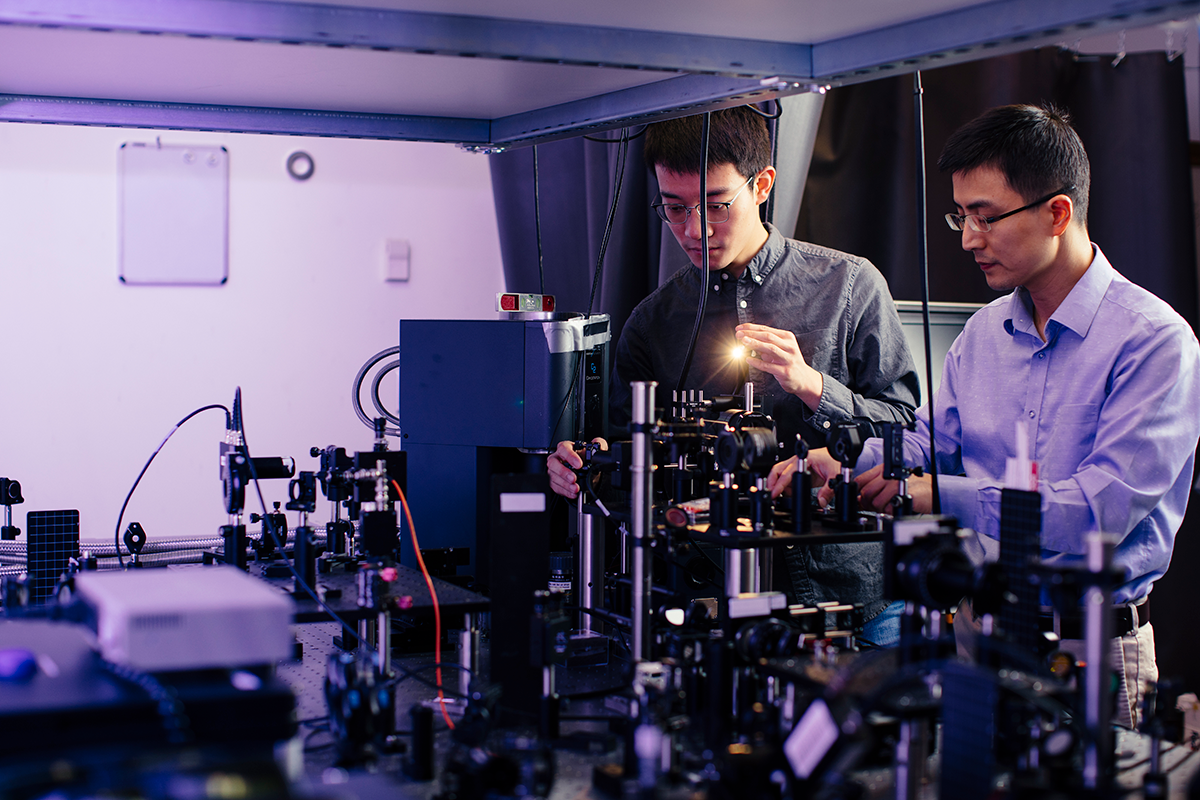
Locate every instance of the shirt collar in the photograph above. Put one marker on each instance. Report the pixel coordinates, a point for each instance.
(767, 258)
(1077, 310)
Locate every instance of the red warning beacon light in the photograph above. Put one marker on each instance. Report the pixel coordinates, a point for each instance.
(514, 302)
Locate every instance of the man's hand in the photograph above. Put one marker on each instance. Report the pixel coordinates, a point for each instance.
(820, 464)
(876, 494)
(560, 465)
(779, 479)
(776, 352)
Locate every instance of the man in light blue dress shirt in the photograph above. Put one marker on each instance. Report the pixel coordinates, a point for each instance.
(1104, 375)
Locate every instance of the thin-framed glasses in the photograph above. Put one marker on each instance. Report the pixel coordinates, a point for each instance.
(678, 213)
(982, 224)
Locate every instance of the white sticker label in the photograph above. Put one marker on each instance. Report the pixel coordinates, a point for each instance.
(522, 503)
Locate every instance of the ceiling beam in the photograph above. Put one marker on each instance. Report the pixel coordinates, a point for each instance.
(239, 119)
(419, 32)
(978, 31)
(673, 97)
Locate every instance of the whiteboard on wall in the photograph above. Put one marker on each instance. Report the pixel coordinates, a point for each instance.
(173, 214)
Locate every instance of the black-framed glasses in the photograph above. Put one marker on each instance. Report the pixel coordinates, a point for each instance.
(982, 224)
(678, 213)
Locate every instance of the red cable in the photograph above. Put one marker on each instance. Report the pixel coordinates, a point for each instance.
(437, 612)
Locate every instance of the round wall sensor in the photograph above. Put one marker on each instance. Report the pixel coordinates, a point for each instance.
(300, 165)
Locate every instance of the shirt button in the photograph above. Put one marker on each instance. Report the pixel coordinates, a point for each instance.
(724, 276)
(825, 423)
(743, 304)
(1041, 355)
(1031, 415)
(716, 287)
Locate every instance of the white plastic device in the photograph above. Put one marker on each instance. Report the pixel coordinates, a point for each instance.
(157, 620)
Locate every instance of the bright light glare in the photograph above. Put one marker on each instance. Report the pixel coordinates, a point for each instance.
(739, 351)
(675, 616)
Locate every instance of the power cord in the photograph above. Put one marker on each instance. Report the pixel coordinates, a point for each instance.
(157, 450)
(170, 709)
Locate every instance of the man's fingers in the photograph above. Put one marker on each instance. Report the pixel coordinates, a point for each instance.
(780, 477)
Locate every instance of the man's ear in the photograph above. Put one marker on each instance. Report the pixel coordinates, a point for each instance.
(763, 184)
(1063, 209)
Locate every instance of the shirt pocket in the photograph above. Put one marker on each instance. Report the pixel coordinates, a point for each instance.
(1076, 414)
(1073, 426)
(820, 350)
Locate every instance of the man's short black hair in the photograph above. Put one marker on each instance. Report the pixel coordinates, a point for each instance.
(1034, 147)
(737, 136)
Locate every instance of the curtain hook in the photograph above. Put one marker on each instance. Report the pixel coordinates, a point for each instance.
(1172, 53)
(1120, 48)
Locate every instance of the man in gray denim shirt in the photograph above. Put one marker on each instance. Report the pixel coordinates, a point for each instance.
(824, 338)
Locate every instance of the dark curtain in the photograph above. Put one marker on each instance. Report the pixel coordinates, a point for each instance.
(861, 195)
(576, 183)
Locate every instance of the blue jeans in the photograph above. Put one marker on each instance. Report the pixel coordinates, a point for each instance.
(884, 630)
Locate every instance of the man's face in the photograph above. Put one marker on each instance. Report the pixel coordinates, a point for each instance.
(1018, 250)
(731, 243)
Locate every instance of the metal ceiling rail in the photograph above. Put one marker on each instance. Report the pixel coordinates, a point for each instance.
(976, 31)
(419, 32)
(240, 119)
(674, 97)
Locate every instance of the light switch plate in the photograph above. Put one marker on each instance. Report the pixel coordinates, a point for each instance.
(396, 259)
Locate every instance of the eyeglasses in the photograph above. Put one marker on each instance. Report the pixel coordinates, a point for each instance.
(678, 213)
(981, 224)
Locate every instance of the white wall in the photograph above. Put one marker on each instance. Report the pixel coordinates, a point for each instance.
(94, 374)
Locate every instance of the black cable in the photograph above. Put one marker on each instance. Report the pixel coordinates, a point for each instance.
(537, 224)
(611, 618)
(622, 157)
(121, 515)
(596, 501)
(170, 709)
(569, 398)
(624, 641)
(269, 523)
(700, 550)
(767, 209)
(776, 115)
(606, 140)
(923, 257)
(703, 211)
